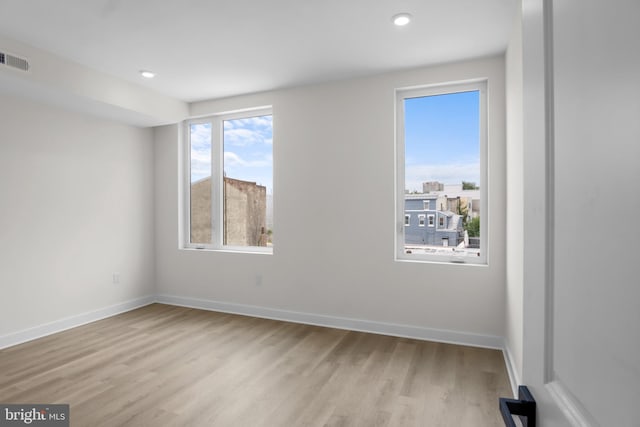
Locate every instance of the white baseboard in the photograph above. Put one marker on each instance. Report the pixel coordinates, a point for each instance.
(571, 407)
(512, 370)
(72, 321)
(405, 331)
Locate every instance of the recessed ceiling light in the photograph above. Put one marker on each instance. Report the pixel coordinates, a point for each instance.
(401, 19)
(147, 74)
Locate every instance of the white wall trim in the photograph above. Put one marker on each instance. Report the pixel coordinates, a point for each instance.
(72, 322)
(512, 369)
(577, 415)
(405, 331)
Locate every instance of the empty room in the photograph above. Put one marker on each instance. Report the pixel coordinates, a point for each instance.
(330, 213)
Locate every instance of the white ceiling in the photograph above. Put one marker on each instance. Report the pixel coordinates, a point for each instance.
(202, 49)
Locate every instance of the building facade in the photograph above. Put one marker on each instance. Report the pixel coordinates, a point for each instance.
(425, 224)
(245, 213)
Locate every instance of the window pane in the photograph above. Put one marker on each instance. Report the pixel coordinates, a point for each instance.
(200, 162)
(248, 181)
(442, 173)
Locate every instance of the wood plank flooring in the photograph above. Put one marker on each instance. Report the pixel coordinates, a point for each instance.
(162, 365)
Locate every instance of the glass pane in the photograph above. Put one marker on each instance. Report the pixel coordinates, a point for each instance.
(200, 163)
(248, 181)
(442, 173)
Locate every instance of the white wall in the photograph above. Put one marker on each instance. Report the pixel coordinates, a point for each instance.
(334, 214)
(515, 201)
(76, 205)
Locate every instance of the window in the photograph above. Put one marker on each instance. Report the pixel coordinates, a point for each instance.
(407, 219)
(229, 182)
(441, 145)
(421, 220)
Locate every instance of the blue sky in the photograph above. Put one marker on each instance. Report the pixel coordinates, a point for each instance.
(248, 150)
(442, 139)
(200, 151)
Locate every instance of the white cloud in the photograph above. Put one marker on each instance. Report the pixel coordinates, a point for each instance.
(259, 121)
(201, 133)
(253, 130)
(232, 159)
(200, 162)
(200, 157)
(241, 137)
(263, 122)
(415, 175)
(200, 170)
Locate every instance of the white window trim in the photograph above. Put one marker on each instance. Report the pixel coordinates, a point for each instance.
(217, 179)
(480, 85)
(431, 220)
(407, 220)
(422, 218)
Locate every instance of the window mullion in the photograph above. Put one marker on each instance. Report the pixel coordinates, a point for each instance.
(217, 182)
(400, 175)
(186, 152)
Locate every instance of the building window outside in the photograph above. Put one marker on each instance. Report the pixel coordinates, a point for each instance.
(441, 152)
(421, 220)
(407, 220)
(229, 182)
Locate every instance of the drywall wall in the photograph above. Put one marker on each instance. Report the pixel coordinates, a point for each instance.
(334, 214)
(77, 206)
(515, 201)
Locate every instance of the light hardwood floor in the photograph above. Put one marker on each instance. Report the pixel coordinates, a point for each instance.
(162, 365)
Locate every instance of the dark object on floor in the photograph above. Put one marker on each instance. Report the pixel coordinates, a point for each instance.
(525, 407)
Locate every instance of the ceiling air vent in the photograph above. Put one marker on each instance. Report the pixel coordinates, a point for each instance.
(14, 61)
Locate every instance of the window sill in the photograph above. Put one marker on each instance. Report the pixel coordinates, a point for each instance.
(443, 261)
(250, 250)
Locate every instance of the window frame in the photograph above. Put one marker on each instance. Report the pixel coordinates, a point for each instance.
(401, 94)
(422, 220)
(407, 220)
(217, 181)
